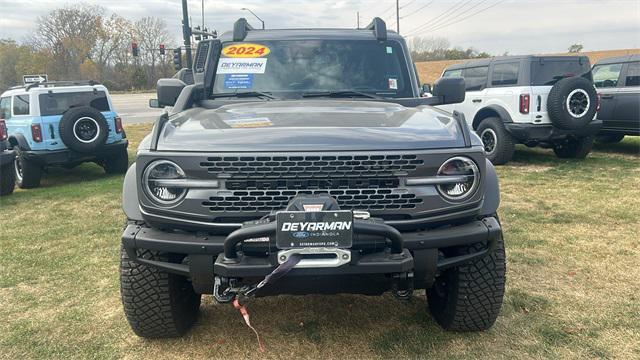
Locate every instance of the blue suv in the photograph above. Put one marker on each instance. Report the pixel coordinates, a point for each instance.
(62, 124)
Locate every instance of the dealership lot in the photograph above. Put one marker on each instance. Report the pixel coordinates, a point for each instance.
(572, 288)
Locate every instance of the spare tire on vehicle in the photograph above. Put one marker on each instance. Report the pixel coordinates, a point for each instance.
(572, 103)
(83, 129)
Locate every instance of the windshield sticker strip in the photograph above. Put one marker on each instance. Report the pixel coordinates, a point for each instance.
(238, 81)
(242, 66)
(245, 51)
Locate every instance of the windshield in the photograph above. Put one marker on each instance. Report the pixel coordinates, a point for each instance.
(300, 67)
(58, 103)
(549, 71)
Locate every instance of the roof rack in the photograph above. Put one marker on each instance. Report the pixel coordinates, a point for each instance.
(56, 84)
(240, 29)
(379, 28)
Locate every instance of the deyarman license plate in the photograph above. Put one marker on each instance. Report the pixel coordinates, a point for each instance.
(298, 229)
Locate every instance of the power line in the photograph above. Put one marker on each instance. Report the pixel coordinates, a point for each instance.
(454, 17)
(466, 17)
(428, 22)
(418, 10)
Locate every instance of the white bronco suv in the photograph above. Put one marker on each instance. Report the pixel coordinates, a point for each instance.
(547, 101)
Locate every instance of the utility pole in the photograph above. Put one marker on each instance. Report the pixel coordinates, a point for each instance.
(202, 14)
(186, 33)
(398, 16)
(358, 14)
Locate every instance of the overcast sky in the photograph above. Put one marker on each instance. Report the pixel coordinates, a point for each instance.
(495, 26)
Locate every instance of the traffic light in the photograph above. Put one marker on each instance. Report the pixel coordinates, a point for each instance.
(177, 58)
(134, 49)
(161, 49)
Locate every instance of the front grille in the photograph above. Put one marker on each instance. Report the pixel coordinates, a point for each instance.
(306, 167)
(273, 200)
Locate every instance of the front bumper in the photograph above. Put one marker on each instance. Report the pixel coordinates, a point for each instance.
(6, 157)
(67, 156)
(378, 250)
(526, 133)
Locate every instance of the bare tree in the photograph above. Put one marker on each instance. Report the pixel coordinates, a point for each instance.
(575, 48)
(150, 32)
(70, 34)
(113, 38)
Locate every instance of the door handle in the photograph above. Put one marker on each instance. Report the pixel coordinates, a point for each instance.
(606, 96)
(477, 100)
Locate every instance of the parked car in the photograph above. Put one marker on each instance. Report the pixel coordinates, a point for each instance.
(547, 101)
(309, 151)
(617, 80)
(7, 156)
(62, 124)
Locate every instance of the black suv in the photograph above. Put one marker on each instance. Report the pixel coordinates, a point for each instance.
(618, 82)
(311, 152)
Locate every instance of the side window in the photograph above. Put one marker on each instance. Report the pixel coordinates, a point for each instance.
(605, 76)
(5, 108)
(21, 105)
(505, 74)
(452, 73)
(475, 78)
(633, 74)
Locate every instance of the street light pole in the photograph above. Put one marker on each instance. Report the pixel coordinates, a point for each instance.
(254, 14)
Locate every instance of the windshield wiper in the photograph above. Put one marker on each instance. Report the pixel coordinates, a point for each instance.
(343, 93)
(257, 94)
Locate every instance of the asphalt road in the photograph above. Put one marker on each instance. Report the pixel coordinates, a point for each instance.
(134, 108)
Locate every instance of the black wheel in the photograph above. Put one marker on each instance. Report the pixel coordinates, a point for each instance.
(498, 143)
(469, 297)
(572, 148)
(26, 172)
(609, 138)
(116, 164)
(7, 179)
(572, 103)
(83, 129)
(157, 304)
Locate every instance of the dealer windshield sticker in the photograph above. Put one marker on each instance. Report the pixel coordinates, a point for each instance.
(249, 123)
(389, 50)
(238, 81)
(242, 66)
(393, 84)
(245, 51)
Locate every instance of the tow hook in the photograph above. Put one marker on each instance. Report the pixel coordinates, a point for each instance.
(222, 296)
(402, 287)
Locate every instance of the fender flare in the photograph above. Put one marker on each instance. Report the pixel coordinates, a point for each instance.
(491, 191)
(130, 203)
(18, 140)
(491, 111)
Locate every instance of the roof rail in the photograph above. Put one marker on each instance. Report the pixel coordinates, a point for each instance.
(60, 83)
(240, 29)
(379, 28)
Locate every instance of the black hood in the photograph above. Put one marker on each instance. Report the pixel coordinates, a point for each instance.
(310, 125)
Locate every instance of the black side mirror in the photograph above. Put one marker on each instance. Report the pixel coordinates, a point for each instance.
(426, 89)
(168, 91)
(154, 103)
(449, 90)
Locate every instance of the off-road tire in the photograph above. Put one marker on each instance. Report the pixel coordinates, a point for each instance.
(609, 138)
(557, 109)
(157, 304)
(116, 164)
(469, 297)
(7, 179)
(572, 148)
(504, 146)
(31, 172)
(80, 116)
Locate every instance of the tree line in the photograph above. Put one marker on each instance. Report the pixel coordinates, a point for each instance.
(83, 42)
(438, 48)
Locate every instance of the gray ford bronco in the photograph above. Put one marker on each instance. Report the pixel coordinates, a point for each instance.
(309, 156)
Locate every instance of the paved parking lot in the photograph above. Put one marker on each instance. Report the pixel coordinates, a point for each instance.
(134, 108)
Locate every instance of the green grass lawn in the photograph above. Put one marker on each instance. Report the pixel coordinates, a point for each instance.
(573, 277)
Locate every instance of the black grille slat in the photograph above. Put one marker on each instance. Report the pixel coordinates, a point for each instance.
(273, 200)
(248, 167)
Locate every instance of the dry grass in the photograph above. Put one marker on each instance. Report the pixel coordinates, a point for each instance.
(572, 292)
(430, 71)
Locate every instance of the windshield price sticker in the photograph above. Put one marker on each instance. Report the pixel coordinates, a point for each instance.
(245, 51)
(241, 66)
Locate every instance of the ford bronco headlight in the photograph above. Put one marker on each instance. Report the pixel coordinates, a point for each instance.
(159, 182)
(466, 170)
